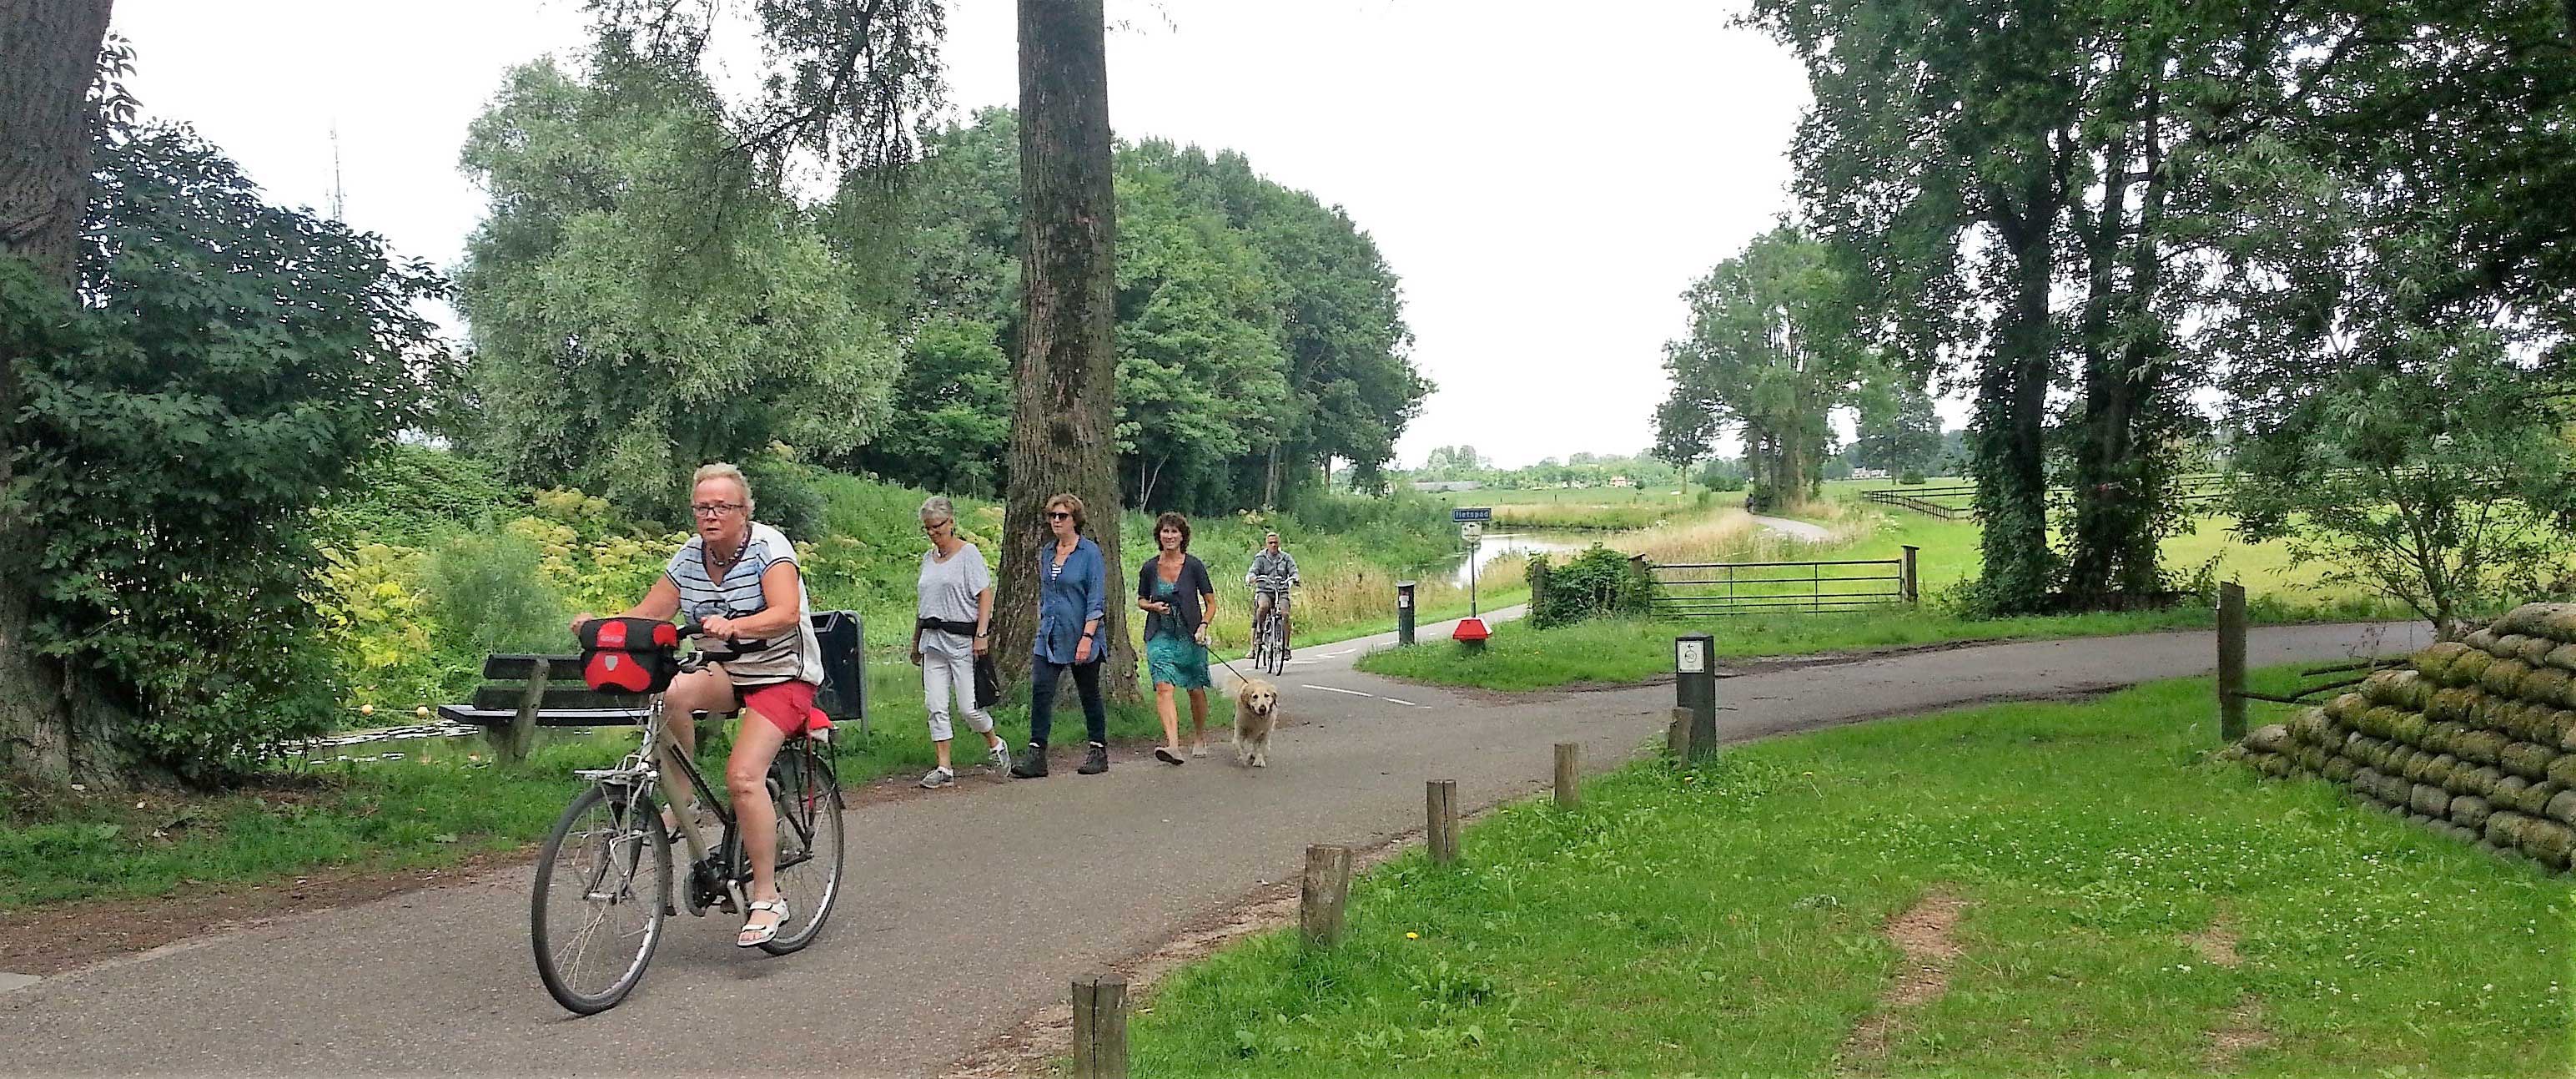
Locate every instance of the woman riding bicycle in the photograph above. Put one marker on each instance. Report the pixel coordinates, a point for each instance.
(737, 578)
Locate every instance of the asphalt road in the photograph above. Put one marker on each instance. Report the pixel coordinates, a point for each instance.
(966, 910)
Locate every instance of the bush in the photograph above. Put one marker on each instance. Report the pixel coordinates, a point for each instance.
(488, 593)
(1911, 476)
(787, 498)
(234, 364)
(412, 494)
(1596, 583)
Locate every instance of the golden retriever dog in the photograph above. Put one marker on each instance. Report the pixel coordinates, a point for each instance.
(1256, 709)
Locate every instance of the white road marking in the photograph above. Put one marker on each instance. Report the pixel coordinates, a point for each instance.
(1343, 652)
(1408, 704)
(1352, 692)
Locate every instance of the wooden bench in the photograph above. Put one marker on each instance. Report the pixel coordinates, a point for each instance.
(530, 691)
(511, 714)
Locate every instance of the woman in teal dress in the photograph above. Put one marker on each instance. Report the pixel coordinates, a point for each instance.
(1178, 599)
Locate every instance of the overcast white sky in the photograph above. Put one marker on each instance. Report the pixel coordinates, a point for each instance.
(1546, 179)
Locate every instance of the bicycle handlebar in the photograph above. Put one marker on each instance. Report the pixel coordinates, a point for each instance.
(694, 628)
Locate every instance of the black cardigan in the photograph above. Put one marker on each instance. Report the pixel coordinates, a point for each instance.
(1192, 584)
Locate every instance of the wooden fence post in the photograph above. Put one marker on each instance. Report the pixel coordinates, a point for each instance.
(1440, 804)
(523, 727)
(1323, 895)
(1100, 1027)
(1909, 581)
(1677, 736)
(2231, 662)
(1569, 774)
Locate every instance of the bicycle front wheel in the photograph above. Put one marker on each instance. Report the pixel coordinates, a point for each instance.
(1275, 643)
(603, 886)
(807, 797)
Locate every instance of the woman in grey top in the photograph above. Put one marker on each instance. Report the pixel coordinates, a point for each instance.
(954, 620)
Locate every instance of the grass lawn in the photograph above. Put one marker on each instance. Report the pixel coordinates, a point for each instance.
(1627, 650)
(1732, 922)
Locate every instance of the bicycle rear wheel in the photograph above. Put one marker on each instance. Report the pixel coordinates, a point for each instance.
(807, 797)
(1274, 634)
(603, 886)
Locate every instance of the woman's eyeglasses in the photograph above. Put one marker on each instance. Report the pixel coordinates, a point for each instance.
(1058, 515)
(934, 527)
(714, 509)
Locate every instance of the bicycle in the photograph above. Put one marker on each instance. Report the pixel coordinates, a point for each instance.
(620, 865)
(1270, 637)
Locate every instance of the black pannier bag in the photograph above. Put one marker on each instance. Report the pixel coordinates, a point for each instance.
(629, 655)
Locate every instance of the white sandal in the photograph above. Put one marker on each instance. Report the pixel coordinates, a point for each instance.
(768, 932)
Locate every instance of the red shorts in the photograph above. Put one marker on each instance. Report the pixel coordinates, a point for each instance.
(788, 704)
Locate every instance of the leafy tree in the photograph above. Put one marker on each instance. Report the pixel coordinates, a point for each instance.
(1939, 160)
(1201, 377)
(1771, 352)
(230, 367)
(2433, 476)
(952, 405)
(628, 322)
(1898, 429)
(1352, 390)
(935, 251)
(849, 81)
(1331, 310)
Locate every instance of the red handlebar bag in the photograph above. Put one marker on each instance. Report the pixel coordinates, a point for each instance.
(629, 655)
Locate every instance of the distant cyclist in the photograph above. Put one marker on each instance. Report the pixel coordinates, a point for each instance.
(1273, 572)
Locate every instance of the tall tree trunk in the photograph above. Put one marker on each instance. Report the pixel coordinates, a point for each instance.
(2120, 460)
(48, 60)
(2101, 497)
(2010, 461)
(1064, 433)
(1270, 479)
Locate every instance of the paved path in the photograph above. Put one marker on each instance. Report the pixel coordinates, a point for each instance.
(1812, 533)
(967, 910)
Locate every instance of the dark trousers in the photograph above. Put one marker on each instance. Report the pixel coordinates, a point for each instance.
(1086, 681)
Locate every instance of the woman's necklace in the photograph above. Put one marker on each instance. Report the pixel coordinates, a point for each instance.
(721, 564)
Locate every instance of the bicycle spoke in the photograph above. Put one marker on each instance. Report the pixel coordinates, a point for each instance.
(594, 927)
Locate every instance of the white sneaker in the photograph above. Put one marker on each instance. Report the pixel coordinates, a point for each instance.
(937, 778)
(999, 755)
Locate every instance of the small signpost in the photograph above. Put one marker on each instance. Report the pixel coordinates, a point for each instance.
(1470, 520)
(1471, 528)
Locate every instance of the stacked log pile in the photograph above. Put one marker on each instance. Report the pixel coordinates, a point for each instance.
(2477, 740)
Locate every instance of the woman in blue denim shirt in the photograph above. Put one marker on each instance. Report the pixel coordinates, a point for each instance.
(1073, 597)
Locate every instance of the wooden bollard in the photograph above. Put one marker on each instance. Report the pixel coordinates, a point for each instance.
(1323, 895)
(1440, 806)
(1569, 774)
(2231, 662)
(1100, 1027)
(1677, 736)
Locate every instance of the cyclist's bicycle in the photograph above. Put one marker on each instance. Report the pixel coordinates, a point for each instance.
(1270, 637)
(604, 877)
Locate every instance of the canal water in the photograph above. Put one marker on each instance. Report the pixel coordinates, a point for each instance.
(1521, 544)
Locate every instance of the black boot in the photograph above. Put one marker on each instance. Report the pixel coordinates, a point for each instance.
(1032, 763)
(1096, 761)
